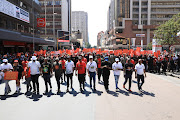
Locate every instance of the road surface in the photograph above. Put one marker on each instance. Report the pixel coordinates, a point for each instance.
(159, 101)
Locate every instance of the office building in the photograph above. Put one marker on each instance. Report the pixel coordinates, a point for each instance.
(80, 22)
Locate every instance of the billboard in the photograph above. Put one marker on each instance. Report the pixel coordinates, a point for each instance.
(63, 36)
(14, 11)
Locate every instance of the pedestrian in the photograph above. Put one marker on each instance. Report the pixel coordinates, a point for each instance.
(128, 70)
(92, 69)
(139, 74)
(164, 65)
(19, 69)
(99, 72)
(46, 71)
(69, 67)
(35, 68)
(81, 68)
(4, 68)
(106, 67)
(63, 69)
(28, 80)
(116, 67)
(57, 66)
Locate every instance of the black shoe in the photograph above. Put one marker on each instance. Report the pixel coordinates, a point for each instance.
(37, 92)
(95, 89)
(81, 90)
(67, 90)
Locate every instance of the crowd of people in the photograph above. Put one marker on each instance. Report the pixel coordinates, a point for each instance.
(64, 67)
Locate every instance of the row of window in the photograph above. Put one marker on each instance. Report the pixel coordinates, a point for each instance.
(161, 16)
(51, 23)
(49, 3)
(137, 3)
(166, 3)
(165, 9)
(50, 16)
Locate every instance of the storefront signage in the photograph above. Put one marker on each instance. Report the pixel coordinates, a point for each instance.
(13, 11)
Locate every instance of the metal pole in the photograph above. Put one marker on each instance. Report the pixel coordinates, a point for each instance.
(33, 24)
(70, 20)
(45, 18)
(54, 28)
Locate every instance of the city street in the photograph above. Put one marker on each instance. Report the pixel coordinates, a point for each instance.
(159, 101)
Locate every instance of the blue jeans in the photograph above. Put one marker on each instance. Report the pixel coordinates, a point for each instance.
(93, 76)
(116, 80)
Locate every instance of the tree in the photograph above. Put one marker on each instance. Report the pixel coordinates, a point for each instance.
(87, 45)
(149, 46)
(167, 32)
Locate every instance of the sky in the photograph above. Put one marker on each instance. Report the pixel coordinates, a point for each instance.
(97, 16)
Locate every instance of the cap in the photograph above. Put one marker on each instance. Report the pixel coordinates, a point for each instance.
(106, 58)
(90, 57)
(33, 58)
(117, 59)
(5, 60)
(15, 61)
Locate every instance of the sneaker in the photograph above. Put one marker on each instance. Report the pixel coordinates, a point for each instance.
(37, 92)
(130, 90)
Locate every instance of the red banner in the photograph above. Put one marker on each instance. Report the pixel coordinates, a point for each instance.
(63, 40)
(41, 22)
(10, 75)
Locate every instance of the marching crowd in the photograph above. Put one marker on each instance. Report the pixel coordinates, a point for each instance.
(64, 66)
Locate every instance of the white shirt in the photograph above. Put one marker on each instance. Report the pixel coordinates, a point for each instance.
(140, 69)
(116, 66)
(69, 67)
(34, 67)
(91, 66)
(7, 66)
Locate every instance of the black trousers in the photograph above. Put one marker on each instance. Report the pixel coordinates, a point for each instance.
(58, 81)
(47, 81)
(63, 72)
(128, 77)
(106, 81)
(140, 80)
(35, 81)
(69, 76)
(81, 78)
(99, 73)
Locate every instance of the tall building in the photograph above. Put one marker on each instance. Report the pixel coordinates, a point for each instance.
(138, 19)
(80, 22)
(18, 26)
(57, 12)
(101, 39)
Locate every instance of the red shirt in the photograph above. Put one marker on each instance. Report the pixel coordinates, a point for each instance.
(29, 73)
(81, 67)
(99, 62)
(24, 64)
(132, 61)
(85, 60)
(63, 64)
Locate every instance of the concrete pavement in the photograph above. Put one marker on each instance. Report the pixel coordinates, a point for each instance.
(159, 101)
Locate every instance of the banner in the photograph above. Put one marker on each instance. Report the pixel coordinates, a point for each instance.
(13, 11)
(10, 75)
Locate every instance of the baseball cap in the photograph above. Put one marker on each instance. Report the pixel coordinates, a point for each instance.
(5, 60)
(116, 59)
(90, 57)
(15, 61)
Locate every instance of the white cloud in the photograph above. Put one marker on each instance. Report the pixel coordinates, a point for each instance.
(97, 16)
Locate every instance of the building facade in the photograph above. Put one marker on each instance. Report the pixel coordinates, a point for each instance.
(80, 22)
(101, 39)
(18, 26)
(57, 14)
(138, 19)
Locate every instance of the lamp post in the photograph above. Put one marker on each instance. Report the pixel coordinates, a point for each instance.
(54, 27)
(33, 23)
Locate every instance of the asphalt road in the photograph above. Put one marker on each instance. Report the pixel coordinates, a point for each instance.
(159, 101)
